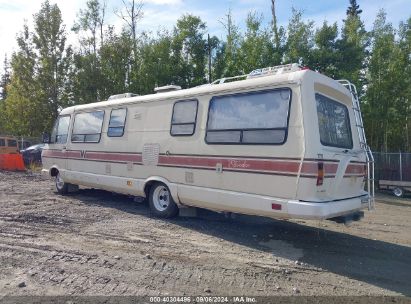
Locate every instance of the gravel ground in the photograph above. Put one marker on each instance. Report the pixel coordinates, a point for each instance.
(98, 243)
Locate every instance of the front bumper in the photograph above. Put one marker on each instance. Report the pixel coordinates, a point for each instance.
(326, 210)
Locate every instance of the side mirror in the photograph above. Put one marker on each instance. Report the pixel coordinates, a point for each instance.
(46, 138)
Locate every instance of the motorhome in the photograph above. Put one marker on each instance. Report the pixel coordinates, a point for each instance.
(281, 142)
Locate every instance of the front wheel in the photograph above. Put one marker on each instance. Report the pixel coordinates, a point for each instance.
(398, 192)
(61, 186)
(161, 202)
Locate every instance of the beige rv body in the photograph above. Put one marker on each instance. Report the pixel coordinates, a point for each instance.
(279, 181)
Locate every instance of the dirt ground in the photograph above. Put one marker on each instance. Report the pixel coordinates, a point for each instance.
(98, 243)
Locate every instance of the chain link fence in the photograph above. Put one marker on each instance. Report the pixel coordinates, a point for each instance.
(392, 166)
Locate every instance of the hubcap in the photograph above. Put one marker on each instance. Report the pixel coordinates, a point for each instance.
(161, 198)
(397, 191)
(59, 181)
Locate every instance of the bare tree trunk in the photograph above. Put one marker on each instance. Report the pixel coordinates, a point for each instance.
(134, 12)
(275, 28)
(101, 22)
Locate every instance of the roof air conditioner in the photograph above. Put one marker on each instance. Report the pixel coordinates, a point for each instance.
(124, 95)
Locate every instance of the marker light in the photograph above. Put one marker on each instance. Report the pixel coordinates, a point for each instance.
(276, 206)
(320, 174)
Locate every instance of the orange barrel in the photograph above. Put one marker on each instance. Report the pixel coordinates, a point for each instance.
(19, 163)
(12, 162)
(2, 161)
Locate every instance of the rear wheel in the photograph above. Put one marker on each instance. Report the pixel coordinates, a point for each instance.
(398, 192)
(161, 202)
(61, 186)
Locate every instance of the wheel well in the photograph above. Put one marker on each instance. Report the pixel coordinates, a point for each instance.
(54, 172)
(148, 186)
(158, 179)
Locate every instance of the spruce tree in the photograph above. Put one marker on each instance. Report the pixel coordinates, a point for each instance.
(354, 9)
(352, 48)
(300, 39)
(5, 79)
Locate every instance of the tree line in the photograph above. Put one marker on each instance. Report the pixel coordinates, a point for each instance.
(46, 74)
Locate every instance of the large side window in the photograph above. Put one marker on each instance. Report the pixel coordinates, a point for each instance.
(87, 127)
(334, 123)
(117, 123)
(2, 142)
(60, 130)
(249, 118)
(183, 121)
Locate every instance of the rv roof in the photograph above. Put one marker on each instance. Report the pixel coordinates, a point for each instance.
(225, 87)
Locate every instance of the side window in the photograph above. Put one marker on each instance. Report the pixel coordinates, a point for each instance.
(11, 143)
(183, 121)
(2, 142)
(333, 122)
(249, 118)
(60, 130)
(87, 127)
(117, 123)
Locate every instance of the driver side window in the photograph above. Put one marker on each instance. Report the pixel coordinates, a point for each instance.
(60, 130)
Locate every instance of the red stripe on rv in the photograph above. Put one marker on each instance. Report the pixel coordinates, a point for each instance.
(51, 153)
(355, 169)
(61, 154)
(312, 168)
(113, 157)
(73, 154)
(240, 164)
(243, 164)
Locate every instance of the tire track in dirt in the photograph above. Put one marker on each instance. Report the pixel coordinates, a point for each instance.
(96, 243)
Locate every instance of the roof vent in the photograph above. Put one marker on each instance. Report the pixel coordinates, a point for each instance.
(120, 96)
(167, 88)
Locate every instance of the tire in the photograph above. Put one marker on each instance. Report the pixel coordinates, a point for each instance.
(398, 192)
(61, 186)
(161, 202)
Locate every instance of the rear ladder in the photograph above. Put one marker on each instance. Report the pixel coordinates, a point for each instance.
(363, 141)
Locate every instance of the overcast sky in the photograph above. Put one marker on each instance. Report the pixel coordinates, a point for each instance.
(164, 13)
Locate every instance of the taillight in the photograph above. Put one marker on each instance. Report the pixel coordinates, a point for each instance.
(320, 174)
(276, 206)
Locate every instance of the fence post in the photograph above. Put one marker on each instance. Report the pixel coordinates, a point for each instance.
(400, 166)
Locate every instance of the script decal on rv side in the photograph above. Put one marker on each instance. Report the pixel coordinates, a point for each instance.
(238, 164)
